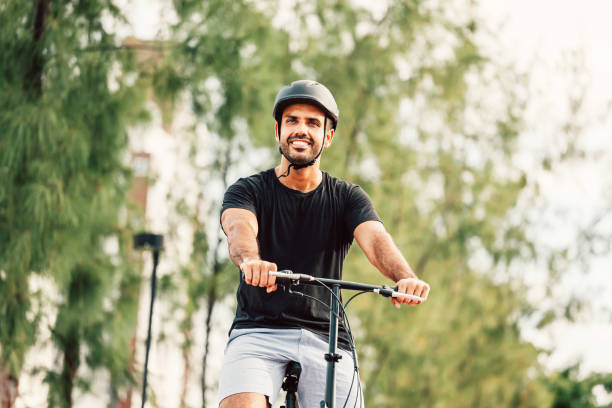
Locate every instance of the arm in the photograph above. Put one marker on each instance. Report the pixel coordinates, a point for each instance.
(382, 252)
(241, 228)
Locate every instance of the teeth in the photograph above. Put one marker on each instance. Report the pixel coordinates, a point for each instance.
(299, 144)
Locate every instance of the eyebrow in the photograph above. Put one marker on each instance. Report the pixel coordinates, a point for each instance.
(308, 118)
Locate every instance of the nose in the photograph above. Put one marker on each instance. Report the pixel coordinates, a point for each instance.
(301, 128)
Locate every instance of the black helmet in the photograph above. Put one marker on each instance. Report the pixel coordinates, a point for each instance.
(309, 92)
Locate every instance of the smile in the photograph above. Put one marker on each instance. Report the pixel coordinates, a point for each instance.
(299, 143)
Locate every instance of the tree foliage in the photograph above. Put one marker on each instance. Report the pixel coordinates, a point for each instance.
(572, 391)
(64, 108)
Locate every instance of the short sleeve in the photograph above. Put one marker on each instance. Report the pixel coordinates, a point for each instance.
(241, 194)
(359, 208)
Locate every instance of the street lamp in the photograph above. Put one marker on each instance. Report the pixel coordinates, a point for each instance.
(154, 242)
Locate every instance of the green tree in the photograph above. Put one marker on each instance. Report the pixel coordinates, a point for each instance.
(571, 391)
(64, 108)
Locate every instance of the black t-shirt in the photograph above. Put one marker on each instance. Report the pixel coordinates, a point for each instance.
(307, 233)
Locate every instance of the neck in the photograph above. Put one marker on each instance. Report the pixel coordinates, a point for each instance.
(304, 180)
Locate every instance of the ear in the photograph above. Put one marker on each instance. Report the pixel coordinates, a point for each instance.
(276, 132)
(329, 137)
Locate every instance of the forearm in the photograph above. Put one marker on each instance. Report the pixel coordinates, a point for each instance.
(242, 243)
(388, 259)
(382, 252)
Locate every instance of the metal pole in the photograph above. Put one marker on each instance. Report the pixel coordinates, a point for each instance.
(153, 288)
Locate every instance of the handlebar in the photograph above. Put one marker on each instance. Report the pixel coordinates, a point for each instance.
(386, 291)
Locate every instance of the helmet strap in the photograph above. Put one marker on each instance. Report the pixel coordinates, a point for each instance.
(310, 163)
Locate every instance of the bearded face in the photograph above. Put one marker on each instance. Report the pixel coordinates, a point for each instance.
(300, 148)
(301, 133)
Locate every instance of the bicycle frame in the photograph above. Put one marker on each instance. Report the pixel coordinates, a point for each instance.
(336, 285)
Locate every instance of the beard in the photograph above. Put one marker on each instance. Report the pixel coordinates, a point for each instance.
(299, 158)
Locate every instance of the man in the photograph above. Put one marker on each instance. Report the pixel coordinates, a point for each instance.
(297, 217)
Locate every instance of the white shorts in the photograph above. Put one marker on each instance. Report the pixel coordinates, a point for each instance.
(255, 360)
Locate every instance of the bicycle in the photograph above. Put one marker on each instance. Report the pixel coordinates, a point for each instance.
(334, 286)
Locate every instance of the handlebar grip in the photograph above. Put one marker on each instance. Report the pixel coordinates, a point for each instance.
(391, 291)
(407, 296)
(287, 274)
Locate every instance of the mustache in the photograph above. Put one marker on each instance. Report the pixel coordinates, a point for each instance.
(302, 137)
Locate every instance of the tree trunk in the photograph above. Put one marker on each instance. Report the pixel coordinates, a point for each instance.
(33, 78)
(9, 386)
(71, 365)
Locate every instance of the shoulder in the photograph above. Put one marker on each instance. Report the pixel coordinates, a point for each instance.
(337, 183)
(256, 181)
(247, 192)
(346, 188)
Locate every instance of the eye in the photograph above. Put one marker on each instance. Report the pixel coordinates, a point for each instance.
(314, 122)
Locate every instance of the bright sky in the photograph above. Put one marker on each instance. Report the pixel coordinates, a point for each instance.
(547, 31)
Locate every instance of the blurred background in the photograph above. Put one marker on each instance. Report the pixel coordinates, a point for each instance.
(482, 130)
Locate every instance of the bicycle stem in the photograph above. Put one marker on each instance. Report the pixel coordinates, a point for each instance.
(332, 357)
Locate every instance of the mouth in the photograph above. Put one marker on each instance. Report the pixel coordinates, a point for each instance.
(299, 143)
